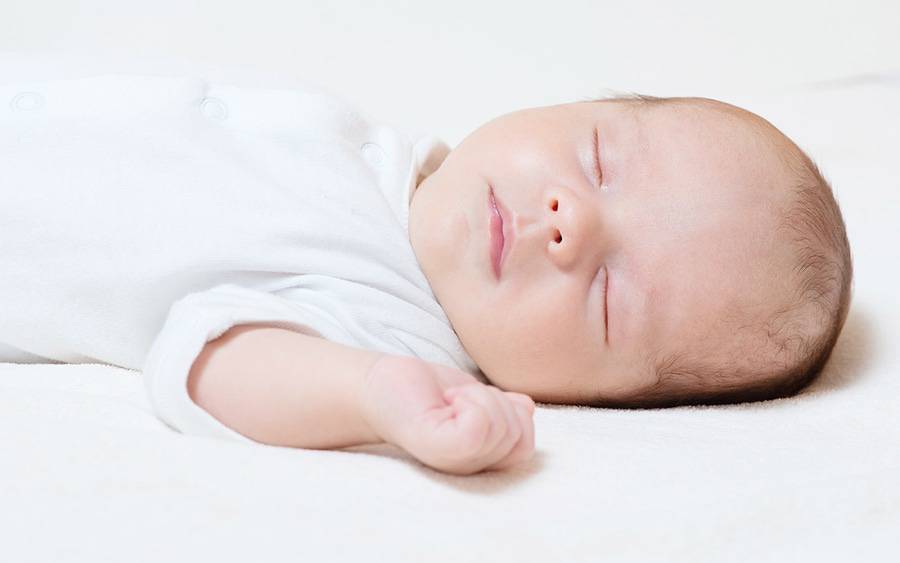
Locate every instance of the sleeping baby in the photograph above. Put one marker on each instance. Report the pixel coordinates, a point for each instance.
(286, 271)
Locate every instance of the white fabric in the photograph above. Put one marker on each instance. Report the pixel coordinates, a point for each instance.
(127, 197)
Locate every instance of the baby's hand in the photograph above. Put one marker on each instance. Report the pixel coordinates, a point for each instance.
(446, 418)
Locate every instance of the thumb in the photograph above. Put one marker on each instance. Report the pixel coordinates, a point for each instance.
(522, 399)
(452, 392)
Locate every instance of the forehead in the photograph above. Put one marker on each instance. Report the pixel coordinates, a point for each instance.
(713, 142)
(690, 168)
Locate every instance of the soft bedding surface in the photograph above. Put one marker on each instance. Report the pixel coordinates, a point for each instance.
(89, 474)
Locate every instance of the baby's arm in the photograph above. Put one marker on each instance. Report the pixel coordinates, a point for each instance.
(282, 387)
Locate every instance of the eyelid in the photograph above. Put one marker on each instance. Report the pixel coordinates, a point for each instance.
(601, 279)
(605, 291)
(597, 169)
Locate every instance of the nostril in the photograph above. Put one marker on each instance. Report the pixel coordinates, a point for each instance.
(558, 237)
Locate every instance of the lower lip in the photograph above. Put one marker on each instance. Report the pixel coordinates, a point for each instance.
(497, 241)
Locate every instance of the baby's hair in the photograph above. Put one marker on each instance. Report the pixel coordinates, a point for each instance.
(799, 336)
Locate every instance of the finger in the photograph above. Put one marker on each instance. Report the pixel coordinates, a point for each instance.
(483, 396)
(456, 390)
(513, 425)
(452, 392)
(451, 377)
(466, 432)
(522, 399)
(524, 448)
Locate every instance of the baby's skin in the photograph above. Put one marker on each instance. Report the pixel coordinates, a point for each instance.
(627, 229)
(446, 418)
(285, 388)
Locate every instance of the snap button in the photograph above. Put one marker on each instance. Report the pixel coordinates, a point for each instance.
(214, 108)
(27, 101)
(372, 153)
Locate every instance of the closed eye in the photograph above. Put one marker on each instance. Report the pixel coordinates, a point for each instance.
(598, 172)
(600, 285)
(605, 290)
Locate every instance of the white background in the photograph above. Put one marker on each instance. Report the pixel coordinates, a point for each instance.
(449, 66)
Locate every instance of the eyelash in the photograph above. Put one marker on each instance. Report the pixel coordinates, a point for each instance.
(604, 290)
(597, 168)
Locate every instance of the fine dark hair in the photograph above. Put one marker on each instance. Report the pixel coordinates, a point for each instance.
(790, 346)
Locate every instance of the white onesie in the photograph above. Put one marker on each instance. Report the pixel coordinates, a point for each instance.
(144, 215)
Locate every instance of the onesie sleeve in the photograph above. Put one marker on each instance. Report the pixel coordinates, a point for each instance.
(198, 318)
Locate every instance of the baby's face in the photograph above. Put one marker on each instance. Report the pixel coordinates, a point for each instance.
(628, 230)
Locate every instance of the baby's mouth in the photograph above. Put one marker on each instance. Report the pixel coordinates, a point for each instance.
(497, 240)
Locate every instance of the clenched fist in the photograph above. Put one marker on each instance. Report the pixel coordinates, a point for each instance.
(446, 418)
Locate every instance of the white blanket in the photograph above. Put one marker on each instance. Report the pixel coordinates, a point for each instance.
(89, 474)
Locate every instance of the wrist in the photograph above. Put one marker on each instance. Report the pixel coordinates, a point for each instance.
(378, 392)
(366, 405)
(363, 405)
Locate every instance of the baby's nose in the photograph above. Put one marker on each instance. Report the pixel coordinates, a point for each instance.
(571, 226)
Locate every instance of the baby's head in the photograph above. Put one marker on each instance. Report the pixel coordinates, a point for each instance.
(658, 252)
